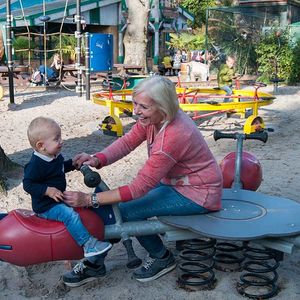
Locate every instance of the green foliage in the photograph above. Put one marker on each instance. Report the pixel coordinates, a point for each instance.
(22, 46)
(67, 45)
(187, 41)
(295, 69)
(277, 57)
(198, 9)
(237, 36)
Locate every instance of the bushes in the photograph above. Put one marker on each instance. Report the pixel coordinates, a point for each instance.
(278, 57)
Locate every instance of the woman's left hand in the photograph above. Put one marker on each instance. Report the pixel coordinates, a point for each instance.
(77, 199)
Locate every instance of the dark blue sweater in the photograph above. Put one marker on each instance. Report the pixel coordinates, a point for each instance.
(39, 175)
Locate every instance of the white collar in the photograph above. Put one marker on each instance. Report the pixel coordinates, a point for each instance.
(43, 157)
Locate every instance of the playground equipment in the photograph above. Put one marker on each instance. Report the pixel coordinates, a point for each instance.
(251, 172)
(245, 216)
(1, 92)
(191, 99)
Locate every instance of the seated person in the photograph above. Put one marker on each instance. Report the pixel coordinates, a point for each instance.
(178, 181)
(167, 63)
(44, 179)
(226, 75)
(54, 70)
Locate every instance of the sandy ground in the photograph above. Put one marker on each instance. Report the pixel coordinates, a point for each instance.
(79, 120)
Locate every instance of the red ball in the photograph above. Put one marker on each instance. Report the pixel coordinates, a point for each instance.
(251, 171)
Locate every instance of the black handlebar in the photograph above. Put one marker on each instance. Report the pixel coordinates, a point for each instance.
(261, 136)
(91, 178)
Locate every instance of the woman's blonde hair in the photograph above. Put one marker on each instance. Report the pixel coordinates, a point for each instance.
(162, 91)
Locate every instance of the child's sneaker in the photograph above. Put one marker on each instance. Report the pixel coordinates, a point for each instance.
(94, 247)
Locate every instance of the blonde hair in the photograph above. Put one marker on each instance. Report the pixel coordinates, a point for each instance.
(38, 129)
(162, 91)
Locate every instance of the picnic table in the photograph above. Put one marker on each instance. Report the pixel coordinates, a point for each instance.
(20, 75)
(128, 69)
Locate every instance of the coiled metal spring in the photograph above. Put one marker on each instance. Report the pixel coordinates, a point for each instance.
(229, 256)
(259, 278)
(195, 270)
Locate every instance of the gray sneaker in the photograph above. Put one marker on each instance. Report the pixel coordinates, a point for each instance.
(94, 247)
(154, 268)
(83, 273)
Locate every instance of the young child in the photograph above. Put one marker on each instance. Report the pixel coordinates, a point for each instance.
(44, 179)
(226, 75)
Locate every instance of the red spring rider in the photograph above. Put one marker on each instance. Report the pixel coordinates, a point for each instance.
(241, 169)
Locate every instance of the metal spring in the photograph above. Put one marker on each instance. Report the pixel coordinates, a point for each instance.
(196, 266)
(259, 271)
(229, 256)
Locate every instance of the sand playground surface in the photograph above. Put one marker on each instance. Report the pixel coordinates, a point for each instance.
(79, 120)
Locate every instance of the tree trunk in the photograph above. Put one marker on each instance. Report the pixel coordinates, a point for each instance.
(1, 45)
(135, 38)
(7, 169)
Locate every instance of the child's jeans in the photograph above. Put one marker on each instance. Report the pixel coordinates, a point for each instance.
(63, 213)
(228, 90)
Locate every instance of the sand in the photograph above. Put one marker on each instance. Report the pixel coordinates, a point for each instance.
(79, 119)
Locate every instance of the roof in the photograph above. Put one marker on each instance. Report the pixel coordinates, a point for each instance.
(33, 9)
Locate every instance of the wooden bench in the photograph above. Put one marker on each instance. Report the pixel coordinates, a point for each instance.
(128, 69)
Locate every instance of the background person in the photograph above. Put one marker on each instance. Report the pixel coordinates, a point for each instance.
(225, 77)
(174, 180)
(177, 62)
(168, 64)
(54, 70)
(44, 179)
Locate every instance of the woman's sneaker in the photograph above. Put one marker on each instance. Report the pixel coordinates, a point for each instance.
(82, 273)
(154, 268)
(94, 247)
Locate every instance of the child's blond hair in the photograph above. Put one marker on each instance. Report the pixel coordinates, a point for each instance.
(38, 129)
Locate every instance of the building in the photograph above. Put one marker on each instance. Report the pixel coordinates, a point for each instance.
(287, 11)
(103, 16)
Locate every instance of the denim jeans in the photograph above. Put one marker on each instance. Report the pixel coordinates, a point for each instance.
(228, 90)
(71, 219)
(160, 201)
(50, 72)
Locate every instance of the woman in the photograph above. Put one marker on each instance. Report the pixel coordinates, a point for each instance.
(180, 176)
(54, 69)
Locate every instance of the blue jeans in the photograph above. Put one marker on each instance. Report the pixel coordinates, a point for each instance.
(50, 72)
(160, 201)
(63, 213)
(228, 90)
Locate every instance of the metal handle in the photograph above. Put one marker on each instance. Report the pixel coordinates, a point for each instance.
(261, 136)
(91, 178)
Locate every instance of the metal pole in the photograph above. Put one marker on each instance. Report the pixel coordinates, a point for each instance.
(9, 53)
(206, 33)
(87, 67)
(237, 184)
(78, 48)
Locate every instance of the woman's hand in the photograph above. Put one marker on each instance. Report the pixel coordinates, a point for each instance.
(86, 159)
(77, 199)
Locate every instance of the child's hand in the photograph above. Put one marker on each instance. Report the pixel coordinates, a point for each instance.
(54, 193)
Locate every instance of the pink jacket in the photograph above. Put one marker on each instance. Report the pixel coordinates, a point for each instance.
(178, 156)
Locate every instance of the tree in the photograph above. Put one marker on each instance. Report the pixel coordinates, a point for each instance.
(8, 169)
(1, 45)
(198, 8)
(135, 38)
